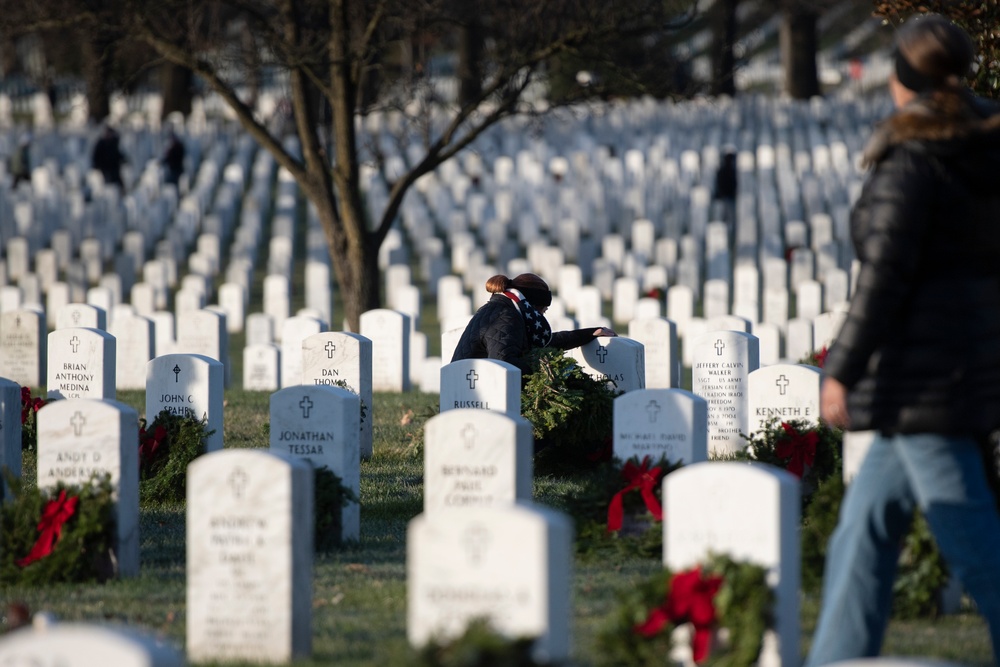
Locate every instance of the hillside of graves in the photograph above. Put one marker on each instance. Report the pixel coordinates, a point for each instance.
(215, 299)
(358, 591)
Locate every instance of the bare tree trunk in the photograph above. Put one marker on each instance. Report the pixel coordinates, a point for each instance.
(798, 50)
(470, 56)
(175, 86)
(722, 17)
(352, 245)
(97, 58)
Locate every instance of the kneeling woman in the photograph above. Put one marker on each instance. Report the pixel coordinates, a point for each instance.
(513, 322)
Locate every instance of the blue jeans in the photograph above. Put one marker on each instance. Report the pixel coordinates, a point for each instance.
(944, 477)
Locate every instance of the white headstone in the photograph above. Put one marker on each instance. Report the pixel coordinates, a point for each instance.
(79, 437)
(84, 645)
(294, 331)
(783, 392)
(337, 356)
(81, 364)
(81, 315)
(249, 557)
(187, 384)
(750, 513)
(722, 362)
(322, 424)
(616, 359)
(509, 565)
(485, 384)
(661, 422)
(261, 367)
(204, 332)
(389, 332)
(23, 355)
(659, 340)
(474, 460)
(135, 345)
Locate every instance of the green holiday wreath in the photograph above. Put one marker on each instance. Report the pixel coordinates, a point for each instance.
(29, 419)
(330, 497)
(922, 572)
(62, 534)
(166, 447)
(618, 507)
(571, 413)
(722, 601)
(809, 450)
(479, 646)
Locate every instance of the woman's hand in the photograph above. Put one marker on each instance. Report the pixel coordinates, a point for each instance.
(833, 403)
(602, 331)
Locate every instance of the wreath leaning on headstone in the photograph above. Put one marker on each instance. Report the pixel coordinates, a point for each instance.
(809, 450)
(166, 447)
(571, 413)
(62, 534)
(724, 605)
(618, 507)
(29, 419)
(479, 645)
(330, 497)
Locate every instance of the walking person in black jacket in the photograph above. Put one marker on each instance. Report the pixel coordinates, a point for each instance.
(917, 359)
(513, 322)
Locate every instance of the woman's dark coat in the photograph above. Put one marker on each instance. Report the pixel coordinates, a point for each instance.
(919, 350)
(497, 331)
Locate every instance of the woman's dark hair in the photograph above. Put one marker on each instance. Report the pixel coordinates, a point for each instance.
(932, 52)
(534, 289)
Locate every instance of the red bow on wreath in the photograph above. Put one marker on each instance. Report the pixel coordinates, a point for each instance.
(636, 477)
(56, 513)
(799, 448)
(689, 601)
(150, 442)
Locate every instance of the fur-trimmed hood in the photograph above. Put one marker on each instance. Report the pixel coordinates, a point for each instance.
(958, 128)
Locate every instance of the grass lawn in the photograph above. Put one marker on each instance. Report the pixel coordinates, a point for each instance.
(359, 592)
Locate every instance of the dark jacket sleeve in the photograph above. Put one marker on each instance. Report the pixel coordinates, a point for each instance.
(888, 226)
(567, 340)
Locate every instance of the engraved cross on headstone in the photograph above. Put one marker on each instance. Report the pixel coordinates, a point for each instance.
(78, 421)
(74, 343)
(330, 348)
(602, 353)
(76, 317)
(782, 384)
(306, 404)
(17, 321)
(238, 482)
(177, 372)
(475, 540)
(472, 376)
(719, 346)
(653, 409)
(469, 435)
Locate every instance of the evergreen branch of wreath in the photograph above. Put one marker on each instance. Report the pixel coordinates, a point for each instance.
(364, 406)
(166, 448)
(330, 497)
(83, 551)
(778, 444)
(743, 606)
(587, 502)
(479, 644)
(571, 413)
(922, 572)
(29, 419)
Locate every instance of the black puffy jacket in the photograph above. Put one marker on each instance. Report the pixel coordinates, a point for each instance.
(919, 350)
(497, 331)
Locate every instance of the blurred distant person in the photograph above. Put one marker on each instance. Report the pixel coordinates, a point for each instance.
(173, 159)
(20, 161)
(107, 157)
(725, 186)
